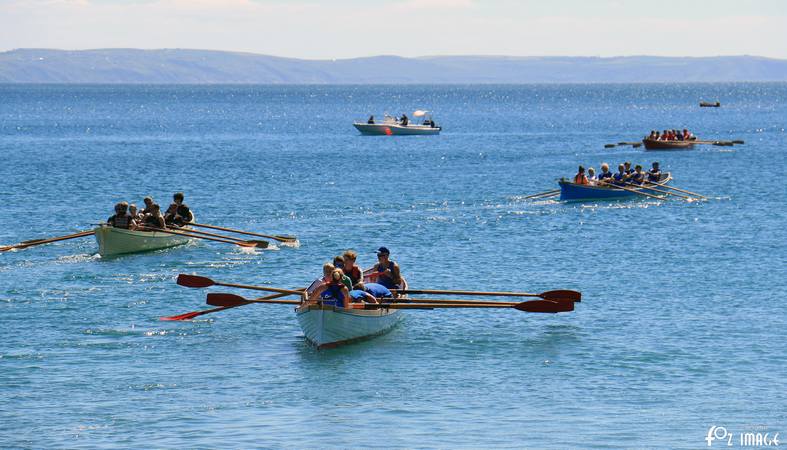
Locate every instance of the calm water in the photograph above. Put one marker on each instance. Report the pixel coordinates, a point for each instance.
(682, 326)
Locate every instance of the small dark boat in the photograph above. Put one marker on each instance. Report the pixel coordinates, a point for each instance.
(710, 105)
(652, 144)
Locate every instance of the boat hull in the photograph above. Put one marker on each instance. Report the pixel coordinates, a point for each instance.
(667, 145)
(329, 326)
(118, 241)
(571, 192)
(390, 129)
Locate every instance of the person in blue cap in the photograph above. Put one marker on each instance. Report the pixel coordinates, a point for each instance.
(387, 270)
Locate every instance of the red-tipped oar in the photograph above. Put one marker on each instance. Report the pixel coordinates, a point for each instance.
(232, 300)
(560, 294)
(196, 281)
(261, 244)
(195, 236)
(193, 314)
(535, 306)
(232, 230)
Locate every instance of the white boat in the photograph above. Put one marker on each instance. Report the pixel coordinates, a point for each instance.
(331, 326)
(118, 241)
(391, 126)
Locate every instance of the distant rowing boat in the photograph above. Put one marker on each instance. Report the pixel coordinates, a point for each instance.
(710, 104)
(582, 192)
(330, 326)
(652, 144)
(118, 241)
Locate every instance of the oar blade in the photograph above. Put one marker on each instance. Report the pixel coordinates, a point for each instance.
(562, 294)
(225, 300)
(194, 281)
(186, 316)
(545, 306)
(286, 238)
(258, 243)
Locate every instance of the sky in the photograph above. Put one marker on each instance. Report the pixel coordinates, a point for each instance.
(335, 29)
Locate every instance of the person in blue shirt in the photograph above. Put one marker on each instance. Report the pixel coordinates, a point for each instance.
(654, 174)
(627, 165)
(605, 176)
(638, 177)
(619, 178)
(387, 271)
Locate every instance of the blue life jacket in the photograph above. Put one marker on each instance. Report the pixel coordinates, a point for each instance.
(654, 176)
(619, 178)
(637, 178)
(385, 281)
(332, 296)
(378, 290)
(605, 175)
(357, 295)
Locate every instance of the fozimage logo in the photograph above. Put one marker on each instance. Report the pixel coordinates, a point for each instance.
(760, 438)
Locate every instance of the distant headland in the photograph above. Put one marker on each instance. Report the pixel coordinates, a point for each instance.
(182, 66)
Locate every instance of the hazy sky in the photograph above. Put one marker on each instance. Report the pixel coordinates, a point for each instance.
(349, 28)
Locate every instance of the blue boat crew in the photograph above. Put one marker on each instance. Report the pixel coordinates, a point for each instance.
(387, 271)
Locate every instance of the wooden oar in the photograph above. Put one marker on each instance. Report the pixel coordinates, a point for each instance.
(196, 281)
(193, 314)
(552, 192)
(232, 230)
(632, 190)
(33, 242)
(684, 191)
(261, 244)
(549, 295)
(541, 306)
(196, 236)
(232, 300)
(651, 188)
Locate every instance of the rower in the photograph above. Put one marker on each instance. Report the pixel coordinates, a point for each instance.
(654, 174)
(332, 292)
(178, 212)
(121, 218)
(350, 269)
(580, 177)
(605, 176)
(619, 179)
(154, 219)
(132, 211)
(629, 170)
(370, 292)
(592, 178)
(687, 136)
(146, 210)
(387, 271)
(638, 177)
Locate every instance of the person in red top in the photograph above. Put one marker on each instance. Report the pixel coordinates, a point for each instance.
(580, 177)
(350, 269)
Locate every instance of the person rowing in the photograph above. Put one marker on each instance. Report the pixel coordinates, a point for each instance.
(154, 219)
(178, 212)
(605, 176)
(580, 177)
(388, 273)
(121, 218)
(370, 293)
(350, 269)
(629, 170)
(619, 179)
(333, 291)
(638, 177)
(592, 178)
(654, 174)
(148, 201)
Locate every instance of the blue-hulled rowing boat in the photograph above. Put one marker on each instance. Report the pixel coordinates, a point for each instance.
(573, 192)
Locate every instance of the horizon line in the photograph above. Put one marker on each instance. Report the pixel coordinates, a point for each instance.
(467, 55)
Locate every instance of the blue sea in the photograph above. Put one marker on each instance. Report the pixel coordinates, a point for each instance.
(682, 326)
